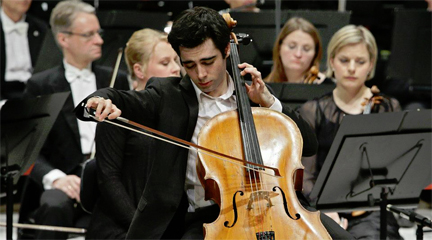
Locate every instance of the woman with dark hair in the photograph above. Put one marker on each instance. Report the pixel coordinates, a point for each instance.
(296, 50)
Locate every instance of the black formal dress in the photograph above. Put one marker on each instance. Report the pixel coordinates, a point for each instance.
(123, 167)
(170, 105)
(325, 117)
(35, 34)
(61, 150)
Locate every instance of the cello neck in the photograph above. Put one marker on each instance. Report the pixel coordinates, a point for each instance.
(251, 148)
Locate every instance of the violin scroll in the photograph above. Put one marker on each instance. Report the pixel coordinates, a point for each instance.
(312, 75)
(229, 20)
(375, 100)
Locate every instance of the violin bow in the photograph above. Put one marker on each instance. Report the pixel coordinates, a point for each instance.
(116, 67)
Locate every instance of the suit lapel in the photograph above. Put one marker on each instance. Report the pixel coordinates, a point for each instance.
(60, 84)
(2, 52)
(190, 97)
(35, 37)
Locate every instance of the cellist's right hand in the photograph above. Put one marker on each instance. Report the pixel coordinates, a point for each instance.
(104, 108)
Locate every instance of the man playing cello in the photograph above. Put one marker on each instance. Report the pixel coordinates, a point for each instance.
(172, 204)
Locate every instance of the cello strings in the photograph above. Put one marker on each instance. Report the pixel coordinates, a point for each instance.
(246, 130)
(251, 147)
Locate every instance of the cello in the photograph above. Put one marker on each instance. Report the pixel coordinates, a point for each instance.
(253, 203)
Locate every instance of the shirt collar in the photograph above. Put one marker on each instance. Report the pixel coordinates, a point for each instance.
(72, 73)
(9, 25)
(229, 93)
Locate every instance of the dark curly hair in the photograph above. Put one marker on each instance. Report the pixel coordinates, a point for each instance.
(193, 26)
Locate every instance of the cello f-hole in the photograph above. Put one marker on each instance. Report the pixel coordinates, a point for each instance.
(285, 204)
(234, 209)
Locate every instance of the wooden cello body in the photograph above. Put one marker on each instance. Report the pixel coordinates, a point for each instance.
(255, 204)
(260, 206)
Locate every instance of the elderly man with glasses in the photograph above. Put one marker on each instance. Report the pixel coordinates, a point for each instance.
(52, 193)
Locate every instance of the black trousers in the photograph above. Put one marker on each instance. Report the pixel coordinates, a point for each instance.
(57, 209)
(367, 226)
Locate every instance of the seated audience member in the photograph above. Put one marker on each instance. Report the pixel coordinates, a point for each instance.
(21, 39)
(296, 54)
(53, 189)
(241, 6)
(122, 155)
(173, 204)
(351, 57)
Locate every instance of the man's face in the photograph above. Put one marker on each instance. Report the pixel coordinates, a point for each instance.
(206, 67)
(82, 41)
(240, 3)
(16, 6)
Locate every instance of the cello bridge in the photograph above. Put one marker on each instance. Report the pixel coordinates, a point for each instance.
(259, 195)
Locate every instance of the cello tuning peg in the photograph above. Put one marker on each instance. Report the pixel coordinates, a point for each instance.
(243, 38)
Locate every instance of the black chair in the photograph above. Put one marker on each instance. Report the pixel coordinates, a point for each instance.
(89, 192)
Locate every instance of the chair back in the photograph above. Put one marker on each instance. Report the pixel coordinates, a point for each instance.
(89, 187)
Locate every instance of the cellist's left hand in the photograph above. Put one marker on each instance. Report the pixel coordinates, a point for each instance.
(257, 91)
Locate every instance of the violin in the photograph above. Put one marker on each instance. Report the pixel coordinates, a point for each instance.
(311, 75)
(370, 104)
(254, 205)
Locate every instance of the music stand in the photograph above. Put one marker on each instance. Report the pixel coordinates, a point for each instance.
(294, 95)
(50, 56)
(25, 124)
(375, 160)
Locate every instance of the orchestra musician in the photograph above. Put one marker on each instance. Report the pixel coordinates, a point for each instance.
(241, 6)
(351, 57)
(21, 39)
(172, 204)
(52, 191)
(122, 155)
(297, 52)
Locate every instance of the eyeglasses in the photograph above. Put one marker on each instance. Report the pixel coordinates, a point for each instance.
(88, 35)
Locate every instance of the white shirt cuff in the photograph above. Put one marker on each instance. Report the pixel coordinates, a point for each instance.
(277, 105)
(50, 177)
(2, 102)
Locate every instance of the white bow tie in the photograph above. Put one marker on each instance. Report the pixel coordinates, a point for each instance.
(84, 75)
(20, 27)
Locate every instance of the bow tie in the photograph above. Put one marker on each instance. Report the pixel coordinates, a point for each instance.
(83, 75)
(20, 27)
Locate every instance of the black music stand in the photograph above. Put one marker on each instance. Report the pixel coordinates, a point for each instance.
(25, 124)
(294, 95)
(375, 160)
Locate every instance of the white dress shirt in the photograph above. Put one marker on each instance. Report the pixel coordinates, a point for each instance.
(208, 108)
(82, 83)
(18, 59)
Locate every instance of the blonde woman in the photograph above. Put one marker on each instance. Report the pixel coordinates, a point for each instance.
(351, 58)
(148, 54)
(122, 155)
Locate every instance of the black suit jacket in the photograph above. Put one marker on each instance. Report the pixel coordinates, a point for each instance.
(62, 148)
(169, 105)
(35, 34)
